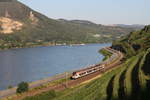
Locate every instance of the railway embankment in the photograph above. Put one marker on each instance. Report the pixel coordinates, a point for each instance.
(50, 81)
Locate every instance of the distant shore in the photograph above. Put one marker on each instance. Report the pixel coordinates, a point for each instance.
(44, 44)
(48, 44)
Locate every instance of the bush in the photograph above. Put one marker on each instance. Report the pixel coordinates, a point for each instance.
(22, 87)
(9, 87)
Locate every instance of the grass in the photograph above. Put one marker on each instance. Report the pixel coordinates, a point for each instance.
(53, 94)
(128, 76)
(130, 80)
(141, 76)
(49, 84)
(116, 79)
(44, 96)
(93, 90)
(88, 91)
(105, 53)
(134, 80)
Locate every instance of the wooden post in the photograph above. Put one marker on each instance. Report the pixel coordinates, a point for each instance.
(66, 79)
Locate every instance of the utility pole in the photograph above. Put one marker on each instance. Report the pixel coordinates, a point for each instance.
(66, 79)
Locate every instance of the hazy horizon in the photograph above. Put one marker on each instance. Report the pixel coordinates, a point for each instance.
(99, 11)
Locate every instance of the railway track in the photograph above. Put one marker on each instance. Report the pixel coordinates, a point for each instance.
(115, 57)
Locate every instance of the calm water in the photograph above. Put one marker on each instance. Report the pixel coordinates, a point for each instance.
(30, 64)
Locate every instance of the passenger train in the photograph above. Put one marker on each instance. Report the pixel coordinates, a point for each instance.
(97, 67)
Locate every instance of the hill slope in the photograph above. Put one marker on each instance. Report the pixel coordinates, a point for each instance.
(20, 26)
(135, 26)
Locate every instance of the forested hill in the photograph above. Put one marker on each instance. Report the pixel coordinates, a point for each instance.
(135, 26)
(135, 42)
(21, 26)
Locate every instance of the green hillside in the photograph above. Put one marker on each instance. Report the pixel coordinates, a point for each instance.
(129, 81)
(37, 29)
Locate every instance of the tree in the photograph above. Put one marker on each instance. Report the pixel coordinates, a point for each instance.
(9, 87)
(22, 87)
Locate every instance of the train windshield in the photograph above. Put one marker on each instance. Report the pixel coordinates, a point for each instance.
(74, 73)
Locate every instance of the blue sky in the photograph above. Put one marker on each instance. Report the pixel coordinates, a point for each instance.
(98, 11)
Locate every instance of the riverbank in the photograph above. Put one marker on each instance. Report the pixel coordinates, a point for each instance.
(46, 82)
(44, 44)
(41, 45)
(105, 53)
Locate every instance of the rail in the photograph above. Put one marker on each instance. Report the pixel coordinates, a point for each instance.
(103, 66)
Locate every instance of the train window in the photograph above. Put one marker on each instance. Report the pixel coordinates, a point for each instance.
(74, 73)
(82, 73)
(89, 71)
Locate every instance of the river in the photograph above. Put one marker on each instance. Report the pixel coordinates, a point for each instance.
(31, 64)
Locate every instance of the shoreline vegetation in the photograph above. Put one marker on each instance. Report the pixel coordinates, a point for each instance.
(105, 53)
(44, 44)
(38, 84)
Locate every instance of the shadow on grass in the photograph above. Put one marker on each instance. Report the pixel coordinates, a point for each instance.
(146, 66)
(121, 92)
(146, 94)
(148, 89)
(135, 94)
(110, 88)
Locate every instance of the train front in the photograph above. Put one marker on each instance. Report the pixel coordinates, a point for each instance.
(74, 75)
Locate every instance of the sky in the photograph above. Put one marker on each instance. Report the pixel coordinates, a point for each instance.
(98, 11)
